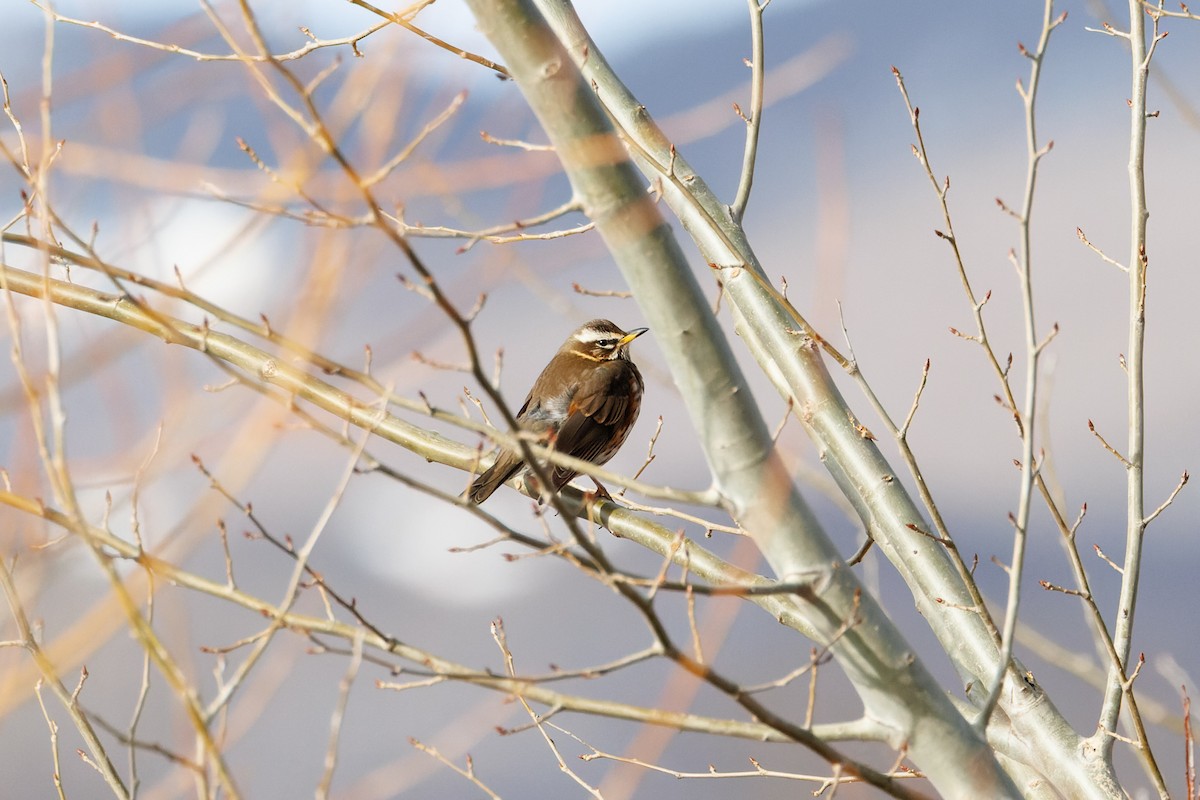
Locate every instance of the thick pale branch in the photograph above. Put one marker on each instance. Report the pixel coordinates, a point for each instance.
(739, 449)
(428, 444)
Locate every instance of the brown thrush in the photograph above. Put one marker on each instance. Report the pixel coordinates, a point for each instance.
(583, 404)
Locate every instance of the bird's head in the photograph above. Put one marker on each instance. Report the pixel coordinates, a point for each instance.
(601, 340)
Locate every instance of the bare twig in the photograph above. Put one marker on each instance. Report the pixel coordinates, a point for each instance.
(1189, 749)
(1104, 442)
(502, 642)
(528, 147)
(310, 46)
(468, 772)
(1170, 498)
(53, 726)
(1099, 252)
(99, 758)
(339, 713)
(1117, 689)
(754, 121)
(757, 771)
(404, 20)
(405, 152)
(1033, 350)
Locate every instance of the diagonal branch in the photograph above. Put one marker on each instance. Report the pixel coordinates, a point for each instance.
(746, 468)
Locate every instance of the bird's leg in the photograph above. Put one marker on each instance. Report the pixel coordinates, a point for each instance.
(601, 493)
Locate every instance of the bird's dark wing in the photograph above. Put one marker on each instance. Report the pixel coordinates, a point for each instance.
(525, 405)
(599, 409)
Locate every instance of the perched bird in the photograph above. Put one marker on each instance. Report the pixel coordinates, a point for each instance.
(583, 404)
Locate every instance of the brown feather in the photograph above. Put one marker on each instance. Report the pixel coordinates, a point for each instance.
(599, 417)
(584, 403)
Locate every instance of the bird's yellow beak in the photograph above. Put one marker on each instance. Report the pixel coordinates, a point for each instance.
(629, 337)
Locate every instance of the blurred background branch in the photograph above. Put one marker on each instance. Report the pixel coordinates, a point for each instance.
(240, 180)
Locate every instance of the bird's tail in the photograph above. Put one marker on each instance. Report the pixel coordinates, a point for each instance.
(505, 467)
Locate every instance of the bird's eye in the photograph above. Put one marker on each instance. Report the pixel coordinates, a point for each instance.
(607, 344)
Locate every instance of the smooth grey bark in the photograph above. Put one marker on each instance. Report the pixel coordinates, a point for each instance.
(1037, 733)
(896, 689)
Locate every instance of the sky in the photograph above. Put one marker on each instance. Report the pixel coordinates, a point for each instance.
(840, 208)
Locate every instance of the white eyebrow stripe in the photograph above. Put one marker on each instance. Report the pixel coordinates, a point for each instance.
(589, 335)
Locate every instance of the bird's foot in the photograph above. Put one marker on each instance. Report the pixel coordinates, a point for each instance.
(600, 494)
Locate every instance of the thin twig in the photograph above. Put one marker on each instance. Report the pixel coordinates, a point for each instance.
(754, 122)
(1118, 689)
(502, 642)
(405, 21)
(1079, 233)
(310, 46)
(1033, 350)
(1104, 442)
(338, 715)
(1170, 498)
(49, 677)
(468, 772)
(53, 726)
